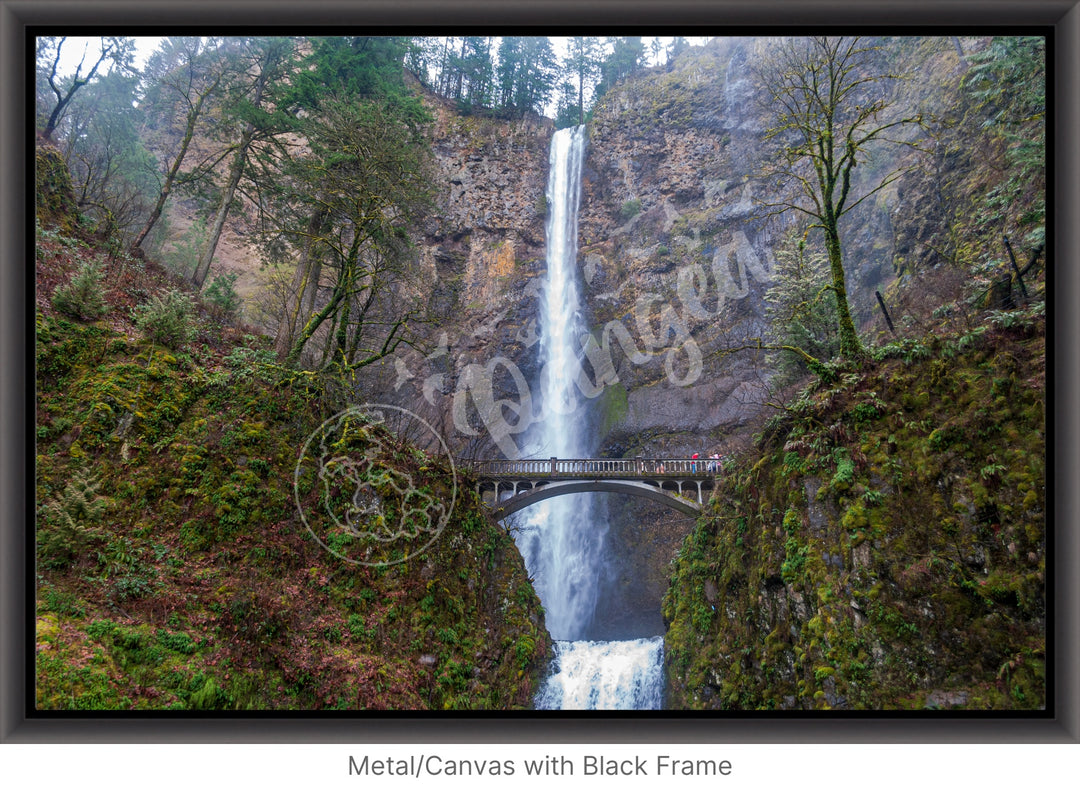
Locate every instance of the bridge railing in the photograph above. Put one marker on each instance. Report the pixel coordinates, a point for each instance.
(593, 467)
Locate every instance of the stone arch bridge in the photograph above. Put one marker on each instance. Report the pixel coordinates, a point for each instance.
(507, 486)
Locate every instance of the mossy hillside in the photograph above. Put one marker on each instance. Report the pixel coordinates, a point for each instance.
(193, 584)
(885, 548)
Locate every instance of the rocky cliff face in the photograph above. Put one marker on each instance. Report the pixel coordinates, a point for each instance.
(676, 251)
(673, 253)
(482, 256)
(673, 263)
(678, 247)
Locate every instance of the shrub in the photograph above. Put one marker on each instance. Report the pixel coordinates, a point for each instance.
(167, 319)
(83, 297)
(629, 210)
(222, 296)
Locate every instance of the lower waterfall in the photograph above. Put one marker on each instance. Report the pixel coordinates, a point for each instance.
(615, 674)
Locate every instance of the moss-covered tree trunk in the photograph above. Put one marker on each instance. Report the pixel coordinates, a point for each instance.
(850, 345)
(305, 285)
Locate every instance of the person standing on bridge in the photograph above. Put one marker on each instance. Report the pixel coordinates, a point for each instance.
(693, 463)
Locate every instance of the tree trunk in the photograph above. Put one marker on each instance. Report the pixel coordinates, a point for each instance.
(170, 178)
(850, 345)
(340, 295)
(297, 348)
(305, 285)
(236, 170)
(959, 52)
(581, 92)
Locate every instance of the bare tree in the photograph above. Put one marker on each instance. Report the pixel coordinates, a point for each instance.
(829, 96)
(113, 48)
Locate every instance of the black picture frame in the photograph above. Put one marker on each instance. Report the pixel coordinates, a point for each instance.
(18, 19)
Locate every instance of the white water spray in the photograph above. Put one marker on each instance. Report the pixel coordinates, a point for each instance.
(619, 674)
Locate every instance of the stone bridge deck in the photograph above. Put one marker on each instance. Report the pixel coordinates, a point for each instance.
(511, 485)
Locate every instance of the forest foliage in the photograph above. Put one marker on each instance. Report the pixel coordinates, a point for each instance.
(172, 572)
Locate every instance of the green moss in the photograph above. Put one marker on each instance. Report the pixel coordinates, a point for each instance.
(614, 404)
(883, 603)
(855, 517)
(206, 592)
(56, 206)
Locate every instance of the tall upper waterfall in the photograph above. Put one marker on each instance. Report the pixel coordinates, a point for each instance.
(562, 539)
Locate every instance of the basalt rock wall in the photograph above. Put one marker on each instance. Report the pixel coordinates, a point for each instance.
(482, 257)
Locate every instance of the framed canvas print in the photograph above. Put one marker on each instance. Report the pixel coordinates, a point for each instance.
(530, 373)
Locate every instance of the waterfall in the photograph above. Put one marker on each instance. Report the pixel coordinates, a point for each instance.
(561, 539)
(620, 674)
(560, 545)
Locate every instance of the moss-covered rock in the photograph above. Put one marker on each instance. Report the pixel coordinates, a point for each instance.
(55, 207)
(892, 559)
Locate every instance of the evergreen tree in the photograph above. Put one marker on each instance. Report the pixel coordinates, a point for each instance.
(345, 201)
(656, 47)
(366, 177)
(421, 58)
(678, 46)
(476, 72)
(268, 60)
(800, 309)
(567, 112)
(626, 57)
(582, 64)
(528, 70)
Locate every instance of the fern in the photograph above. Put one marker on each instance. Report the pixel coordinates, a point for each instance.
(71, 522)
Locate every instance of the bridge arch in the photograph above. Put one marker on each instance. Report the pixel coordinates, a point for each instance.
(547, 490)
